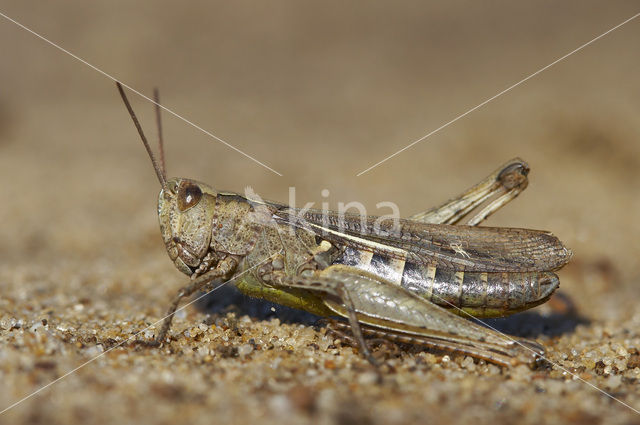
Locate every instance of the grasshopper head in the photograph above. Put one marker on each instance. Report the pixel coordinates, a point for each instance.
(185, 212)
(185, 207)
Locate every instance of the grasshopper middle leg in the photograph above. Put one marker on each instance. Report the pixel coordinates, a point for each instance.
(331, 287)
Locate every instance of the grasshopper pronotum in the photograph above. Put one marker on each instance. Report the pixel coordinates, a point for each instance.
(401, 280)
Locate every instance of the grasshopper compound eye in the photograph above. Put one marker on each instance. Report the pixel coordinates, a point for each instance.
(189, 195)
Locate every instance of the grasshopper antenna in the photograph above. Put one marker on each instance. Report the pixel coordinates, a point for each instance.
(156, 99)
(156, 167)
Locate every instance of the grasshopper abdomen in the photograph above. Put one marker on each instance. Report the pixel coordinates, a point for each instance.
(479, 293)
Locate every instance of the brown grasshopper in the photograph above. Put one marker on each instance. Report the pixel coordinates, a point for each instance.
(402, 280)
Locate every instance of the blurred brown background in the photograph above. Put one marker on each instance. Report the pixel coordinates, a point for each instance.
(319, 91)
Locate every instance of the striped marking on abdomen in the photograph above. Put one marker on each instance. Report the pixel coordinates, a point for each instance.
(476, 291)
(390, 269)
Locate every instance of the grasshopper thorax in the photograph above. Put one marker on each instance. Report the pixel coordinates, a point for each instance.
(185, 211)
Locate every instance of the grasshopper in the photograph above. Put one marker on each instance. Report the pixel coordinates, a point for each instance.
(408, 280)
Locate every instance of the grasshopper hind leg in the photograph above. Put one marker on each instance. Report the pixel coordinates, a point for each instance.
(389, 311)
(504, 185)
(341, 330)
(376, 307)
(491, 356)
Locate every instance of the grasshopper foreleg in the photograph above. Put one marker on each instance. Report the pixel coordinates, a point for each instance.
(203, 282)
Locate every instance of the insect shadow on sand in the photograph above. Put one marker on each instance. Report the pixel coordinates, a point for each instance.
(229, 300)
(532, 324)
(529, 324)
